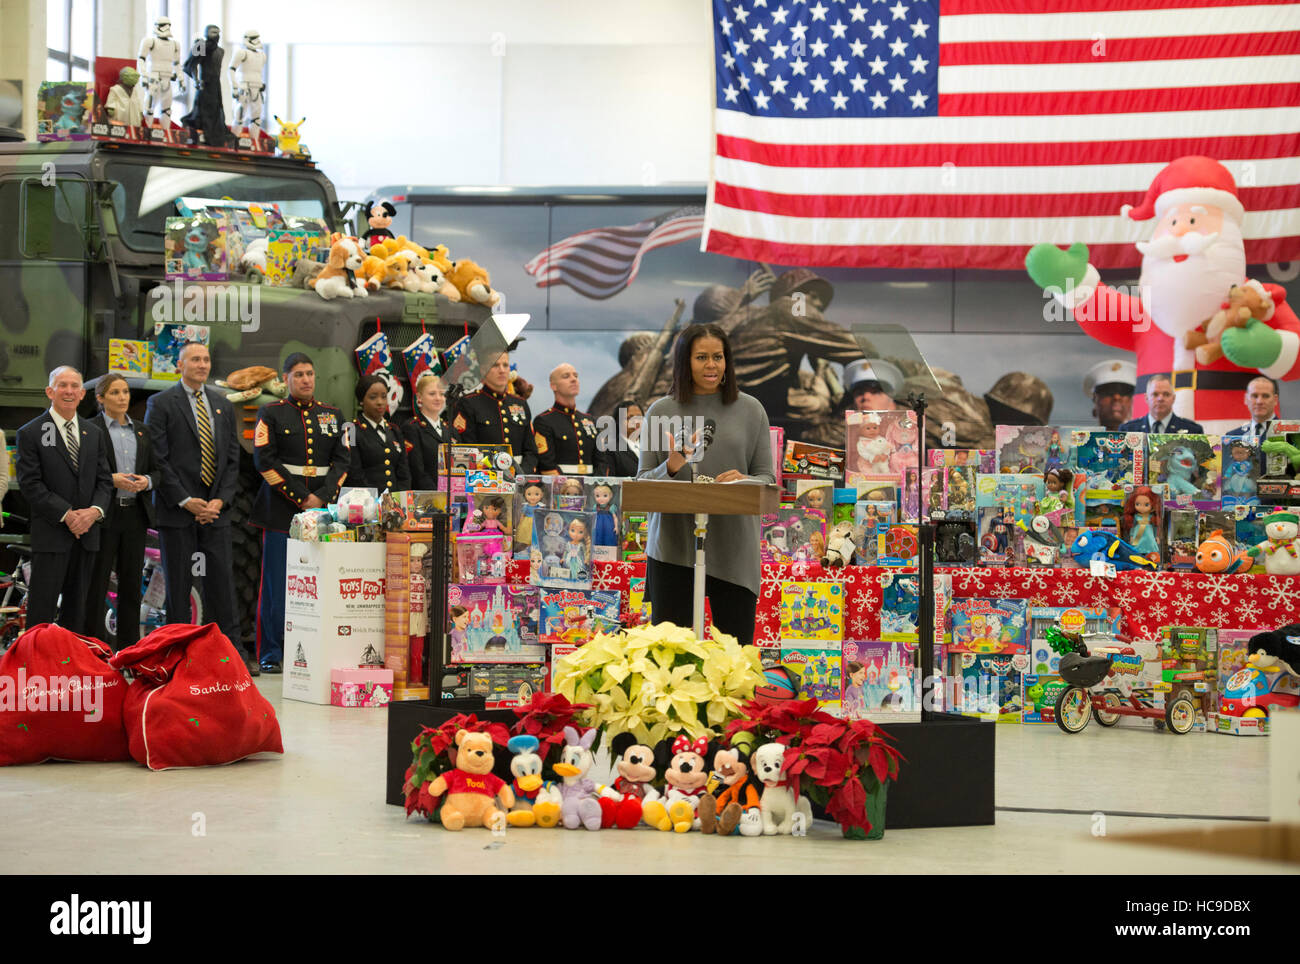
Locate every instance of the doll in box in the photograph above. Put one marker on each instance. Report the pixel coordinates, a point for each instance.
(870, 448)
(960, 490)
(1058, 481)
(568, 494)
(1142, 513)
(459, 631)
(490, 516)
(577, 551)
(531, 498)
(817, 497)
(1240, 470)
(605, 532)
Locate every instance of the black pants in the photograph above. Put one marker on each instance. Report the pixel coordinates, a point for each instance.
(67, 573)
(121, 549)
(201, 550)
(671, 592)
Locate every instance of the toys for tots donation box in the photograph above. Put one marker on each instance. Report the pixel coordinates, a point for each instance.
(333, 610)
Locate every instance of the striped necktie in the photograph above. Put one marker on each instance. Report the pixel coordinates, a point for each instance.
(207, 449)
(74, 444)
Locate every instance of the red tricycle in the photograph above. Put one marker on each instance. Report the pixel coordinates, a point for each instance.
(1083, 669)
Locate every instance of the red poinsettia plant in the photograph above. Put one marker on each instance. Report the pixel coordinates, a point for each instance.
(433, 752)
(545, 717)
(840, 764)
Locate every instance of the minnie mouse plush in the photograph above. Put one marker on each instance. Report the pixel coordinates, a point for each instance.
(621, 804)
(685, 766)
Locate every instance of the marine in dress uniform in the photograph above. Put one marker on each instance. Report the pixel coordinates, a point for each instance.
(300, 449)
(566, 442)
(423, 437)
(492, 417)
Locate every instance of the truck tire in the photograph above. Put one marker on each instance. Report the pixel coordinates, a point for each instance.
(246, 551)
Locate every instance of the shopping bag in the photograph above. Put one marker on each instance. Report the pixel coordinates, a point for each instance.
(60, 699)
(193, 703)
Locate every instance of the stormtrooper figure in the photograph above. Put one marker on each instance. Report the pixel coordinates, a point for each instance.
(249, 61)
(158, 58)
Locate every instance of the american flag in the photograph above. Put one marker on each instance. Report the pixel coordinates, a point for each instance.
(603, 261)
(956, 134)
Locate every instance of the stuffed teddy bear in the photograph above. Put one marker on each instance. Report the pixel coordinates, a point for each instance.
(1245, 301)
(473, 283)
(839, 546)
(472, 788)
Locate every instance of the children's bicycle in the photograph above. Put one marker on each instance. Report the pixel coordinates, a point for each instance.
(13, 602)
(1085, 669)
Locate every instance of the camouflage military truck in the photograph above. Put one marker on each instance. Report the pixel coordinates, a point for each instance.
(81, 261)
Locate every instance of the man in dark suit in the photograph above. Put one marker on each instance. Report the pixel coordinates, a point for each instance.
(63, 474)
(130, 511)
(196, 444)
(1261, 400)
(1160, 418)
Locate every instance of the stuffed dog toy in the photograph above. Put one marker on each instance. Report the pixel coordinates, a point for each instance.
(784, 811)
(339, 279)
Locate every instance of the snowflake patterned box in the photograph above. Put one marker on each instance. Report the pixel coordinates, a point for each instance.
(576, 615)
(1031, 449)
(812, 610)
(493, 624)
(988, 625)
(878, 677)
(1108, 459)
(817, 667)
(1188, 465)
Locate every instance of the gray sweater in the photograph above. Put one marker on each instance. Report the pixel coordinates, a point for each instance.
(739, 440)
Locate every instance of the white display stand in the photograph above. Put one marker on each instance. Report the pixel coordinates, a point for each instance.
(1284, 765)
(333, 610)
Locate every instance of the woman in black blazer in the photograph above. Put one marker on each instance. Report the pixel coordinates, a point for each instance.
(378, 448)
(622, 461)
(426, 431)
(130, 512)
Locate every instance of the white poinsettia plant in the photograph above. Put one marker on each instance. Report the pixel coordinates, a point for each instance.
(658, 681)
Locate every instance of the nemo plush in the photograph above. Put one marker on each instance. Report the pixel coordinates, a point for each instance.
(1217, 555)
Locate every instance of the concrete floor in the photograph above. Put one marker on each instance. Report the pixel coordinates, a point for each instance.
(320, 809)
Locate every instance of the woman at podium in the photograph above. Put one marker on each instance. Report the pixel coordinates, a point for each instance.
(705, 427)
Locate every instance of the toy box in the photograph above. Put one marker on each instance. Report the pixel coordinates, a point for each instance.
(981, 460)
(988, 625)
(575, 616)
(1240, 725)
(605, 502)
(636, 536)
(411, 510)
(561, 553)
(638, 607)
(897, 544)
(1188, 465)
(63, 110)
(812, 610)
(168, 341)
(532, 495)
(460, 457)
(814, 461)
(127, 357)
(1020, 493)
(490, 514)
(283, 249)
(1277, 462)
(1239, 484)
(194, 249)
(1233, 652)
(1108, 459)
(878, 677)
(1072, 619)
(776, 437)
(569, 492)
(493, 624)
(506, 686)
(482, 558)
(366, 686)
(996, 528)
(988, 686)
(793, 534)
(1042, 540)
(932, 490)
(1141, 519)
(866, 515)
(900, 606)
(880, 443)
(954, 542)
(817, 496)
(1180, 538)
(1189, 656)
(843, 501)
(1040, 693)
(1031, 449)
(959, 488)
(817, 668)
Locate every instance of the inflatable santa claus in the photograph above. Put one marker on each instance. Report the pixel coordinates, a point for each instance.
(1194, 257)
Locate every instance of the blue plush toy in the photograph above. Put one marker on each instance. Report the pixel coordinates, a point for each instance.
(70, 119)
(196, 249)
(1180, 471)
(1096, 544)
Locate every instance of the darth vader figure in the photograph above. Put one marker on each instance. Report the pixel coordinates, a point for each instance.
(204, 67)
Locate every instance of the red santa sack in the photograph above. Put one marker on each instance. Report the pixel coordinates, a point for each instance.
(60, 699)
(193, 703)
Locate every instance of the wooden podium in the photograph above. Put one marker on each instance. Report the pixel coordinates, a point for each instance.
(700, 499)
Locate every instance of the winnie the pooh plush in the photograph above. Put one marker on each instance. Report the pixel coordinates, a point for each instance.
(472, 788)
(1245, 301)
(473, 283)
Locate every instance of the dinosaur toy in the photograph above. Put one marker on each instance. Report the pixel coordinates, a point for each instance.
(1096, 544)
(196, 246)
(1180, 470)
(70, 119)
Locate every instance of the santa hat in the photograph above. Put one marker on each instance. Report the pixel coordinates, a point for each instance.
(1189, 180)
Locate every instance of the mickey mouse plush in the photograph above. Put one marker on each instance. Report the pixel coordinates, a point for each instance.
(685, 766)
(380, 219)
(621, 804)
(736, 804)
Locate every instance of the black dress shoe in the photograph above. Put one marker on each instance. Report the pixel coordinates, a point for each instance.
(252, 667)
(272, 668)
